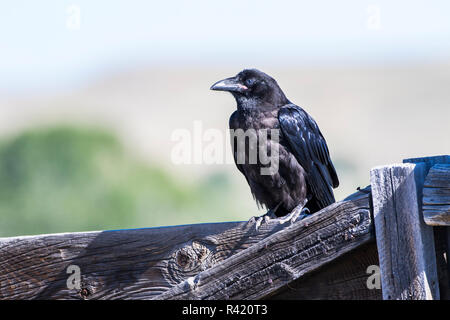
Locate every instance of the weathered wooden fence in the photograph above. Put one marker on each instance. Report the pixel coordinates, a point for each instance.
(394, 233)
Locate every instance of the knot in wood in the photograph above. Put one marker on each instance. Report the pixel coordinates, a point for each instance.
(191, 256)
(189, 260)
(84, 293)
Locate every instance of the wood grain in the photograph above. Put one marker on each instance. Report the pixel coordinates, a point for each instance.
(405, 243)
(342, 279)
(429, 161)
(436, 196)
(285, 256)
(122, 264)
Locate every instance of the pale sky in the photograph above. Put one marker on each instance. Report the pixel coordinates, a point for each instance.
(42, 45)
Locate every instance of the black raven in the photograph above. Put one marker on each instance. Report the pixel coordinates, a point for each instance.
(305, 177)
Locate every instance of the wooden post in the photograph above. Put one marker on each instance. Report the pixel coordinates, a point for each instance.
(405, 243)
(431, 211)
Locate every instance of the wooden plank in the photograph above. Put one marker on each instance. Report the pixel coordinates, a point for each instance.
(429, 161)
(436, 196)
(287, 255)
(442, 233)
(438, 176)
(119, 264)
(345, 278)
(405, 243)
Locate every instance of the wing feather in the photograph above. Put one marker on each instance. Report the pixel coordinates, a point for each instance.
(310, 149)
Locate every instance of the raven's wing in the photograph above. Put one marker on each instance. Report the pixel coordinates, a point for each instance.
(310, 149)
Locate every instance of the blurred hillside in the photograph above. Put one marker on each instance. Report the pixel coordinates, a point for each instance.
(69, 178)
(74, 179)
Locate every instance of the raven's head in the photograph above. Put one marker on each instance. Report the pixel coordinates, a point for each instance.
(253, 88)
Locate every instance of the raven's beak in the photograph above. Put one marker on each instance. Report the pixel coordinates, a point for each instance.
(229, 84)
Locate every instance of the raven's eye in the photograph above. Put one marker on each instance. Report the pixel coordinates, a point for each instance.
(249, 82)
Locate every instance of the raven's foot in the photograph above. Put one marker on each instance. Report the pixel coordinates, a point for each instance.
(299, 213)
(265, 218)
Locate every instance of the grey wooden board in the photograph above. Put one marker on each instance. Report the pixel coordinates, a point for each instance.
(121, 264)
(436, 196)
(342, 279)
(429, 161)
(438, 176)
(285, 256)
(118, 264)
(405, 243)
(445, 252)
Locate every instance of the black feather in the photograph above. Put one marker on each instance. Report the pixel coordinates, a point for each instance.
(305, 168)
(310, 149)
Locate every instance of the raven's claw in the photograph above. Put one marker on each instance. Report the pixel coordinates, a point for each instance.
(265, 218)
(299, 213)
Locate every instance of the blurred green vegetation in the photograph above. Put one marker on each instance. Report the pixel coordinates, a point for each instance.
(66, 179)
